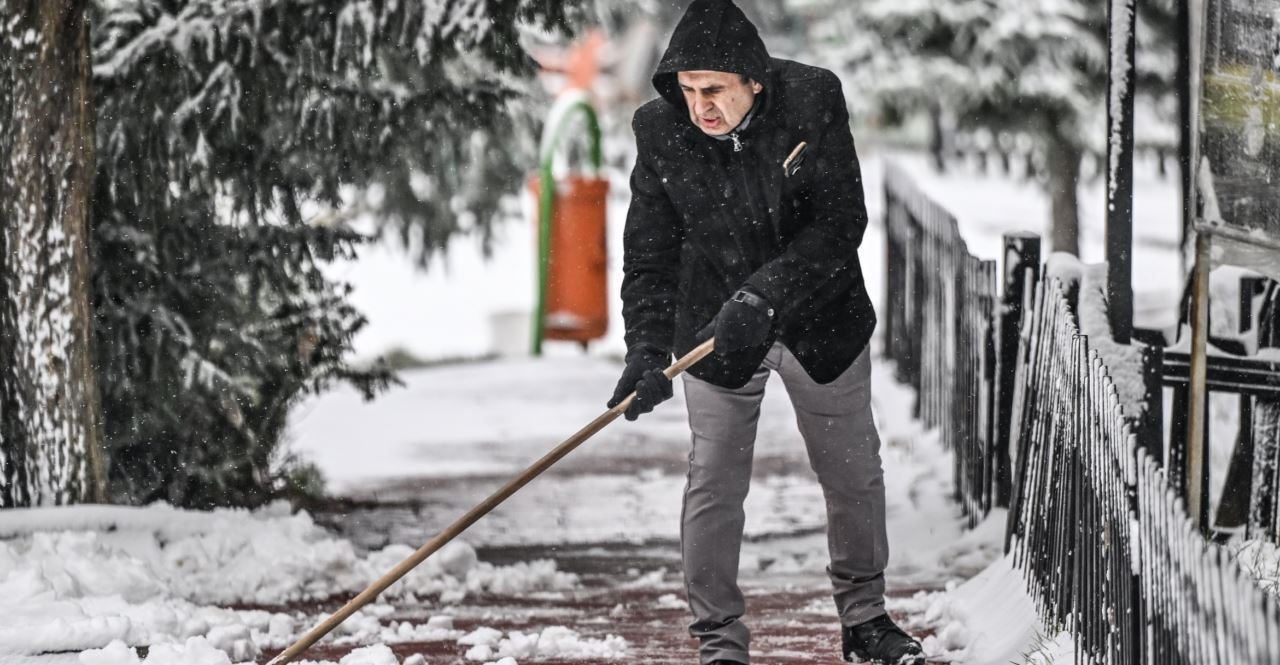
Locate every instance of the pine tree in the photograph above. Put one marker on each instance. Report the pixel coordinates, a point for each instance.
(233, 138)
(1031, 67)
(49, 430)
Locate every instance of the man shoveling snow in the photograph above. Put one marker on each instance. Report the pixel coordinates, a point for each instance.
(746, 215)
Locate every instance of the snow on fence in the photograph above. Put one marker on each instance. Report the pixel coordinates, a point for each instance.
(1036, 386)
(1103, 539)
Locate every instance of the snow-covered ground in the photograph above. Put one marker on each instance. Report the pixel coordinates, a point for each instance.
(79, 584)
(498, 416)
(101, 580)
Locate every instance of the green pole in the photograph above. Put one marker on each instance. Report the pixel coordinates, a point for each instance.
(547, 202)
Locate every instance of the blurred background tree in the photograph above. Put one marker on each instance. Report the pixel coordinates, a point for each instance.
(234, 141)
(999, 69)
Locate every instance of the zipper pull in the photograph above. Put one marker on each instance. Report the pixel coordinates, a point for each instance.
(737, 145)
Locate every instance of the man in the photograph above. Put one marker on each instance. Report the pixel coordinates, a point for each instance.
(737, 230)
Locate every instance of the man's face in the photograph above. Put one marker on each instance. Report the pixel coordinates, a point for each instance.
(717, 100)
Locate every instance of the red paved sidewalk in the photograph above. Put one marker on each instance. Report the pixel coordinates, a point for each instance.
(791, 616)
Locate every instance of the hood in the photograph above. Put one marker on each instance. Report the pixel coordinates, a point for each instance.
(713, 35)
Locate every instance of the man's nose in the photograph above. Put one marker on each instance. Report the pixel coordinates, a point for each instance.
(701, 103)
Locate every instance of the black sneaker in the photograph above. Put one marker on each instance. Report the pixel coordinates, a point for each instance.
(882, 642)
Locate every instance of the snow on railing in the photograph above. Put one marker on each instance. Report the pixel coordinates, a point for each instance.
(1103, 539)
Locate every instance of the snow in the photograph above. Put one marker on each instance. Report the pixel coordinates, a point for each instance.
(1259, 558)
(196, 651)
(93, 576)
(1120, 36)
(97, 578)
(988, 620)
(1064, 267)
(520, 420)
(495, 417)
(560, 641)
(1123, 362)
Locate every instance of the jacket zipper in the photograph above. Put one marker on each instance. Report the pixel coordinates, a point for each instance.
(742, 176)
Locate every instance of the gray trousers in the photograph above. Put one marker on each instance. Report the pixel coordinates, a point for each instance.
(844, 450)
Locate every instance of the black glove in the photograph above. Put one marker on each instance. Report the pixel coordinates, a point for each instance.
(643, 375)
(744, 321)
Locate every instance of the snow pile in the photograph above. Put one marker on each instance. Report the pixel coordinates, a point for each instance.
(988, 620)
(454, 572)
(552, 642)
(372, 624)
(156, 575)
(76, 590)
(1259, 558)
(198, 651)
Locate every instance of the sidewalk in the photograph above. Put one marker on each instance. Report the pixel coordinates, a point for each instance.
(610, 512)
(634, 592)
(580, 566)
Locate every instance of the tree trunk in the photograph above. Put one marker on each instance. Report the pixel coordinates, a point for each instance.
(937, 139)
(1063, 163)
(50, 433)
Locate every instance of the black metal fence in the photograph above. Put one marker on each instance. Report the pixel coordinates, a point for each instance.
(1036, 385)
(938, 325)
(1097, 528)
(1249, 369)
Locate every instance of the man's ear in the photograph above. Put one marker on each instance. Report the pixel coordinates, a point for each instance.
(756, 87)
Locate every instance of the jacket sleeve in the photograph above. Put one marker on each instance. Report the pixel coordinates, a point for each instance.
(827, 245)
(651, 243)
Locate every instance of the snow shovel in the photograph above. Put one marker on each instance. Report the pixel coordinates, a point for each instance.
(473, 515)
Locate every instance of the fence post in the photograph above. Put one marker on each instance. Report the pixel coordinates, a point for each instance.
(1176, 464)
(1021, 272)
(1233, 505)
(1266, 431)
(891, 271)
(1148, 431)
(916, 246)
(987, 386)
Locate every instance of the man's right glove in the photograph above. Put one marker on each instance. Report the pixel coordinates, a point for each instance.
(643, 375)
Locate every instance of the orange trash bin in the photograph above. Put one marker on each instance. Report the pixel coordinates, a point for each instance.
(577, 299)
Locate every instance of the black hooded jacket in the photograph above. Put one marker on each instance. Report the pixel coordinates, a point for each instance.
(710, 216)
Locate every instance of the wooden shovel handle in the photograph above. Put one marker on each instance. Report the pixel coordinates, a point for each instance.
(453, 530)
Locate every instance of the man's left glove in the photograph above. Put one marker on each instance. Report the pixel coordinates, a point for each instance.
(744, 321)
(643, 375)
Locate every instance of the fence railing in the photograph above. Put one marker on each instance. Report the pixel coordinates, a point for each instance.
(1248, 500)
(1097, 528)
(1036, 385)
(938, 326)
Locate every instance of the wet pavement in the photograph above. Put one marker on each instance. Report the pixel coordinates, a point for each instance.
(633, 591)
(610, 512)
